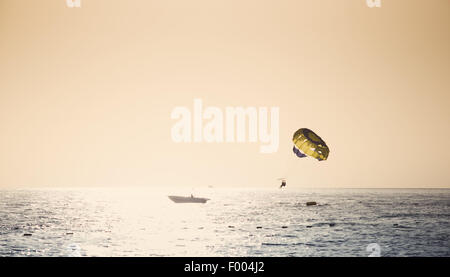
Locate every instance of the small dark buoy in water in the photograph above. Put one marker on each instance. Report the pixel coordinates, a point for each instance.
(312, 203)
(284, 227)
(27, 235)
(332, 224)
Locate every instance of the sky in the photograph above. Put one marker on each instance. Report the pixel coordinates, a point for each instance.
(86, 94)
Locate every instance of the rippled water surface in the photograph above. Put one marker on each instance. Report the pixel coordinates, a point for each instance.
(140, 222)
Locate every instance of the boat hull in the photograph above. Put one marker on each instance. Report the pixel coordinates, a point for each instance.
(183, 199)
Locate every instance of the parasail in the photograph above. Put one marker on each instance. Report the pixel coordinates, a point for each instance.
(308, 143)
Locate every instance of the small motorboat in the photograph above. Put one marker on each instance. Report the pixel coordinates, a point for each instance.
(188, 199)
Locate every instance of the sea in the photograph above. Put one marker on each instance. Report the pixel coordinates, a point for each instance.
(118, 222)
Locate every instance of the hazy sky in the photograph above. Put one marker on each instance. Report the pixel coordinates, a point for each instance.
(86, 93)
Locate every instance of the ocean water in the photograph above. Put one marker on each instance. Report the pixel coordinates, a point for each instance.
(235, 222)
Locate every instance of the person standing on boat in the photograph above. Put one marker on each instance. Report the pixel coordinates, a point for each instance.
(283, 184)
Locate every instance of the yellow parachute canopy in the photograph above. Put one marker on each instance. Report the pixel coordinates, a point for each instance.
(309, 143)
